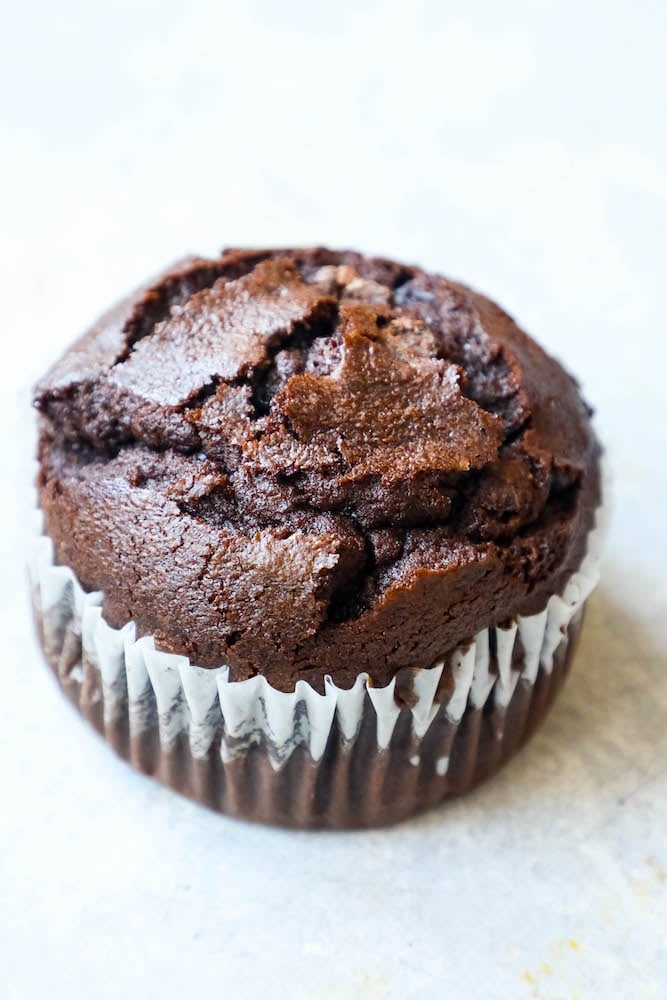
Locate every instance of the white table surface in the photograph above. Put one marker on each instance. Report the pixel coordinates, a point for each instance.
(519, 146)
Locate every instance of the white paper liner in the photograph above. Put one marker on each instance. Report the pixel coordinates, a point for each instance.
(151, 686)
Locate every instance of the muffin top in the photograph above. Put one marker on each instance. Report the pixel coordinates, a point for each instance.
(307, 462)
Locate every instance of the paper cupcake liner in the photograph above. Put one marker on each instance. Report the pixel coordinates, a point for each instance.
(349, 757)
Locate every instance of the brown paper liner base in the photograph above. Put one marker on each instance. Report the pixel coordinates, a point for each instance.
(355, 784)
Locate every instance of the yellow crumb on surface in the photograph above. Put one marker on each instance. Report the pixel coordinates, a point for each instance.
(544, 978)
(658, 870)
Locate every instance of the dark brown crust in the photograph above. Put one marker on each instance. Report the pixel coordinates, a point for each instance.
(302, 462)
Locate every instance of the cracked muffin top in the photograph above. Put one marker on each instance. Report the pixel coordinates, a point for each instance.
(306, 462)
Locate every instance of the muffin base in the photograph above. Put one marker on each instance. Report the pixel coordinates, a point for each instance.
(355, 782)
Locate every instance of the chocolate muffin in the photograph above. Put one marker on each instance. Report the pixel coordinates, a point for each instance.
(319, 529)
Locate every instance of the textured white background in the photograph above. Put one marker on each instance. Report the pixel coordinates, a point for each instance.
(519, 146)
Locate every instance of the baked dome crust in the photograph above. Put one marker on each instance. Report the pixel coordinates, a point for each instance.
(308, 462)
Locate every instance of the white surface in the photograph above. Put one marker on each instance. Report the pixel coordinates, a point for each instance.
(519, 146)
